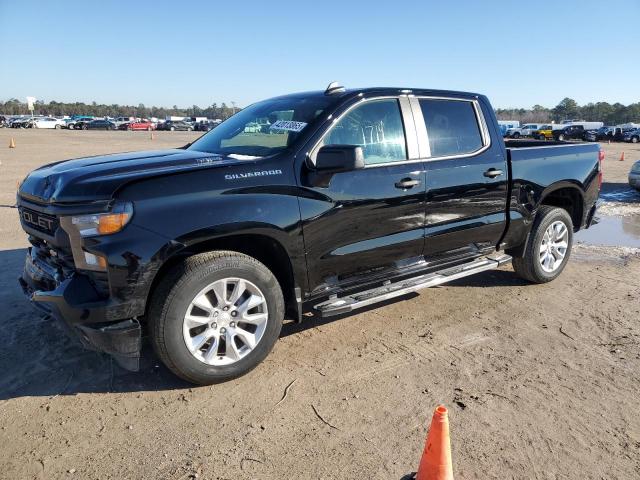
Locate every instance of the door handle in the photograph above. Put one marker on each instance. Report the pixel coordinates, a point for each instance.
(407, 183)
(493, 172)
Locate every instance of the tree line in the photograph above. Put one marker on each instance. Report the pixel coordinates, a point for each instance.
(568, 109)
(53, 108)
(610, 114)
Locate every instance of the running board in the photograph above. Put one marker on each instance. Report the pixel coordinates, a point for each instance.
(339, 306)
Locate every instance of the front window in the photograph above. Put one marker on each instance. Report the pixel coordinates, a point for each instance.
(377, 127)
(264, 128)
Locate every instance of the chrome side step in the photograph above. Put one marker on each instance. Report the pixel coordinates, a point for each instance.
(339, 306)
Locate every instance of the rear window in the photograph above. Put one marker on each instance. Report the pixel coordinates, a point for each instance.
(452, 126)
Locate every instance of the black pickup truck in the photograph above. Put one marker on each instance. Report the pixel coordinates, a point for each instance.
(345, 198)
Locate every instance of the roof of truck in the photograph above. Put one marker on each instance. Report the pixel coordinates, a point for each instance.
(351, 92)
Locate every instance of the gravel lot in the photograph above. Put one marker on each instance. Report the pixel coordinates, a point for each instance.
(541, 381)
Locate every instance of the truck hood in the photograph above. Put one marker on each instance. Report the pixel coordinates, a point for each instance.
(97, 178)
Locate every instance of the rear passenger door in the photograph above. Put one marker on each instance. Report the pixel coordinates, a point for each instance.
(466, 176)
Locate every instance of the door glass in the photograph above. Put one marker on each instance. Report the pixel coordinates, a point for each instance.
(452, 127)
(377, 127)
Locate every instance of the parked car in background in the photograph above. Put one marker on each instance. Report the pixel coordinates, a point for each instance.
(545, 132)
(252, 127)
(204, 126)
(523, 131)
(22, 122)
(72, 122)
(585, 125)
(3, 121)
(48, 122)
(122, 120)
(141, 125)
(100, 124)
(602, 133)
(571, 132)
(632, 136)
(175, 125)
(634, 175)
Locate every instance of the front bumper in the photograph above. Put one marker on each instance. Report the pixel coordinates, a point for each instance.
(87, 316)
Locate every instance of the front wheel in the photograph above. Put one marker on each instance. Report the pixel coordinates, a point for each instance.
(561, 137)
(516, 135)
(548, 246)
(216, 316)
(634, 139)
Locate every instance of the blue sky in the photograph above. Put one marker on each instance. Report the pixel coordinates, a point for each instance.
(197, 52)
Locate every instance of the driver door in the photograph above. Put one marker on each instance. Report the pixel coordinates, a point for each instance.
(367, 223)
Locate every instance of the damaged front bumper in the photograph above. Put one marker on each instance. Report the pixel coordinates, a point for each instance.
(76, 303)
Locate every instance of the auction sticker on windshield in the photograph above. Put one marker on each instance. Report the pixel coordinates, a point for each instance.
(288, 125)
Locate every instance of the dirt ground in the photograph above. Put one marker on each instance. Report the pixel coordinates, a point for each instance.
(541, 381)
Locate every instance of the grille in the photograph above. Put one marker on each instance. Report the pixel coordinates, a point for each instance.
(38, 221)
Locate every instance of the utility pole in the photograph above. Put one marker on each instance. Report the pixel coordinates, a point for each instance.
(233, 107)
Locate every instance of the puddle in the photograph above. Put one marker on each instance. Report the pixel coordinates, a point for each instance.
(624, 194)
(612, 231)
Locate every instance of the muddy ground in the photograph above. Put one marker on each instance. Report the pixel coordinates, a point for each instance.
(541, 381)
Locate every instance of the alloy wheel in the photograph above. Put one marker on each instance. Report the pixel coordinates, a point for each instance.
(225, 321)
(553, 248)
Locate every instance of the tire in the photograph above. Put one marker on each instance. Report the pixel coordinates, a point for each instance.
(189, 129)
(530, 266)
(176, 296)
(516, 135)
(84, 127)
(541, 137)
(561, 137)
(173, 129)
(57, 127)
(634, 139)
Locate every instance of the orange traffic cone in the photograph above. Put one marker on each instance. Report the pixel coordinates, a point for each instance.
(622, 157)
(435, 463)
(12, 143)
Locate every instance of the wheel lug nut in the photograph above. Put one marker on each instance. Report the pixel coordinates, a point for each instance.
(234, 314)
(215, 314)
(223, 330)
(232, 324)
(226, 308)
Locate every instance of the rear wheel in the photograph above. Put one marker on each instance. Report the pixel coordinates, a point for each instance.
(57, 127)
(548, 246)
(216, 316)
(516, 135)
(541, 137)
(84, 127)
(173, 129)
(561, 137)
(634, 139)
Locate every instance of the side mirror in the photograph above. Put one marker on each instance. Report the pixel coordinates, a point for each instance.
(339, 158)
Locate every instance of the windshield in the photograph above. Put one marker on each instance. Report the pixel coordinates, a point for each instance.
(263, 128)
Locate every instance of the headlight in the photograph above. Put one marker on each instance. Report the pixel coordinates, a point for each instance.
(103, 223)
(81, 226)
